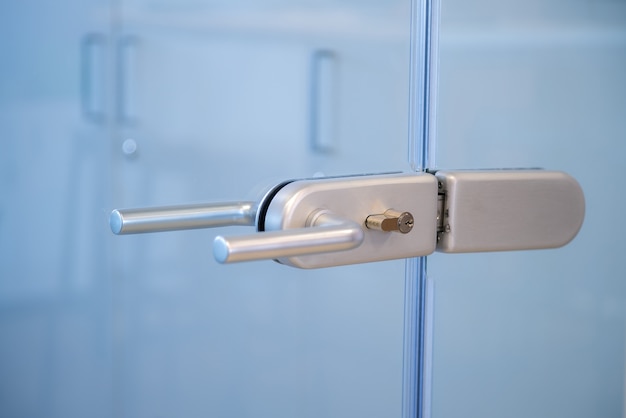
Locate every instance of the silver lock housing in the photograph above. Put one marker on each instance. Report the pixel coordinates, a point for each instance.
(354, 199)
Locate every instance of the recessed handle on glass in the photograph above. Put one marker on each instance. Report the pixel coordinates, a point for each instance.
(174, 218)
(325, 233)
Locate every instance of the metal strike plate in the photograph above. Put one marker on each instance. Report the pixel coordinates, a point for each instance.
(504, 210)
(356, 198)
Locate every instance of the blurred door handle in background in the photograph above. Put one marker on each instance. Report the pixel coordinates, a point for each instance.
(323, 96)
(93, 77)
(126, 72)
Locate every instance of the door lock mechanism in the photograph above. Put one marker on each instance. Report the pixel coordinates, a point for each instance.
(391, 221)
(326, 222)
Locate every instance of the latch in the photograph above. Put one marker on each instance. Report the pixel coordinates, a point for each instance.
(325, 222)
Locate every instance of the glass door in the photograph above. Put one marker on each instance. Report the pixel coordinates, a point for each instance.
(108, 104)
(536, 333)
(54, 113)
(217, 101)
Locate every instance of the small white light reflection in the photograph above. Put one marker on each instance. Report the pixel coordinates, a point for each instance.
(129, 147)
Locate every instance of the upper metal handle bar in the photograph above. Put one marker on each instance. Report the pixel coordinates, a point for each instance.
(173, 218)
(325, 233)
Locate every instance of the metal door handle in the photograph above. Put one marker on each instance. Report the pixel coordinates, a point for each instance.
(174, 218)
(310, 223)
(326, 233)
(348, 220)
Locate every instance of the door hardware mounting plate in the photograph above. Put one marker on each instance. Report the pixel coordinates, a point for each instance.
(505, 210)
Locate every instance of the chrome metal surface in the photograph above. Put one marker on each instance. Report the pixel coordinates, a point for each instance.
(391, 221)
(173, 218)
(504, 210)
(356, 198)
(323, 233)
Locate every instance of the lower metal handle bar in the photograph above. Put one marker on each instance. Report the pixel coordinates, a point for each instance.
(327, 233)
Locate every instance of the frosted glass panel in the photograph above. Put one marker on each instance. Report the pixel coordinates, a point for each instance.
(222, 106)
(534, 333)
(132, 103)
(55, 350)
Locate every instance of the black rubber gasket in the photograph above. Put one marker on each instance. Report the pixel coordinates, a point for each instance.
(265, 204)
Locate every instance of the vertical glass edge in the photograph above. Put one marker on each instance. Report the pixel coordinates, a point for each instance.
(419, 290)
(413, 342)
(427, 346)
(423, 83)
(433, 86)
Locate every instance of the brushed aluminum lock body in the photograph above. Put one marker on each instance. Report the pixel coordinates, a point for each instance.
(356, 198)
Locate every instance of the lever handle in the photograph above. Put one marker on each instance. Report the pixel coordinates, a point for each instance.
(173, 218)
(325, 233)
